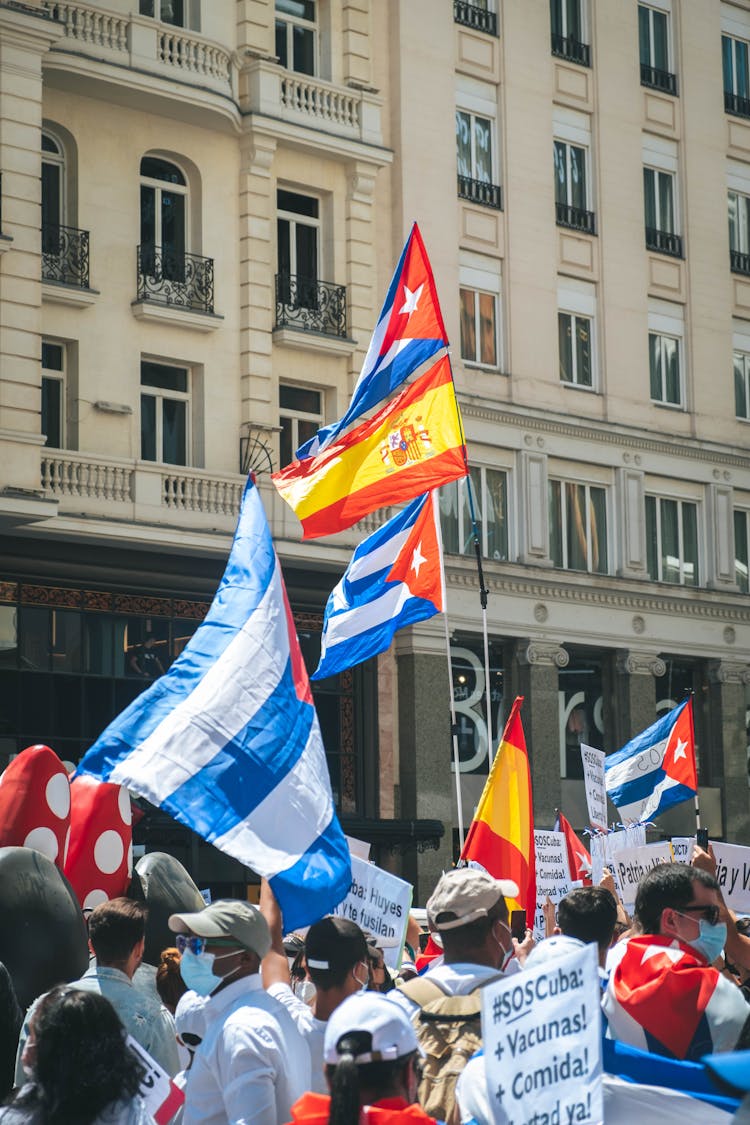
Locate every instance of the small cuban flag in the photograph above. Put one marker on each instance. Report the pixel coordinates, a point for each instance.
(395, 578)
(656, 769)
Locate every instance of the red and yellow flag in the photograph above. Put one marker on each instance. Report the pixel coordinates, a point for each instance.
(410, 446)
(501, 836)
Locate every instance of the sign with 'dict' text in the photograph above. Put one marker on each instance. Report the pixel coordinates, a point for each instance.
(732, 869)
(552, 874)
(542, 1043)
(596, 792)
(379, 903)
(631, 864)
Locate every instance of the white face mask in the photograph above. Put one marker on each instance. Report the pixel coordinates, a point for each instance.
(363, 986)
(507, 953)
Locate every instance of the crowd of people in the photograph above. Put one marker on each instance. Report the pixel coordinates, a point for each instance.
(259, 1027)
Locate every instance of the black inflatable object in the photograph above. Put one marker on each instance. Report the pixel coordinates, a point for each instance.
(164, 885)
(43, 938)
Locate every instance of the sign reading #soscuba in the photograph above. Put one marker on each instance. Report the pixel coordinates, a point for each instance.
(542, 1044)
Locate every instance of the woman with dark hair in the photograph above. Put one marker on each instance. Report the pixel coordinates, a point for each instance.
(371, 1055)
(169, 983)
(80, 1070)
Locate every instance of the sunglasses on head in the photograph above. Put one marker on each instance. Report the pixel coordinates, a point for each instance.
(710, 913)
(197, 945)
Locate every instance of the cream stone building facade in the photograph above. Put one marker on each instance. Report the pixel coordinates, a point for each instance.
(202, 204)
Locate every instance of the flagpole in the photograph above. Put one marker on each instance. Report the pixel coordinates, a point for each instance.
(454, 724)
(690, 693)
(483, 591)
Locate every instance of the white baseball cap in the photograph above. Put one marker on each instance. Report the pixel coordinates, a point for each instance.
(466, 894)
(390, 1028)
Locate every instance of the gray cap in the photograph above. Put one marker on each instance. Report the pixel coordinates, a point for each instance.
(227, 918)
(468, 894)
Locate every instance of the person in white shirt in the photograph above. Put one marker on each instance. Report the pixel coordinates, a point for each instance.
(337, 963)
(252, 1063)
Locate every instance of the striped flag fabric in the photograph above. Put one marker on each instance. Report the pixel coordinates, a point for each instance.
(413, 444)
(656, 769)
(394, 579)
(228, 741)
(409, 331)
(501, 836)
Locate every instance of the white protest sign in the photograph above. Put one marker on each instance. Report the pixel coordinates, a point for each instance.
(379, 903)
(552, 874)
(160, 1094)
(682, 846)
(733, 875)
(631, 864)
(604, 848)
(596, 792)
(360, 848)
(542, 1043)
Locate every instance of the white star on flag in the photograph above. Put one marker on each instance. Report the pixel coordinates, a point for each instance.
(417, 559)
(674, 953)
(411, 299)
(680, 749)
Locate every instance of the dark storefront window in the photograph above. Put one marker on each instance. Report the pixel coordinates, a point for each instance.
(581, 706)
(470, 701)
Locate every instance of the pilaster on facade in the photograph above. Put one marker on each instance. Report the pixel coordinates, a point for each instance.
(720, 537)
(631, 497)
(257, 272)
(630, 663)
(729, 672)
(541, 654)
(360, 257)
(356, 36)
(534, 546)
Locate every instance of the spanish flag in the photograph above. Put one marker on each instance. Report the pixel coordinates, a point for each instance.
(413, 444)
(501, 837)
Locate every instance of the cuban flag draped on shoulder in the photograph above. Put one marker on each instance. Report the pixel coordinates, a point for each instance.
(228, 741)
(410, 329)
(656, 769)
(395, 578)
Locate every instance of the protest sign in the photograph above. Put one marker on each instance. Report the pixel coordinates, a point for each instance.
(596, 792)
(604, 848)
(379, 903)
(732, 869)
(682, 847)
(552, 874)
(542, 1043)
(360, 848)
(161, 1095)
(631, 864)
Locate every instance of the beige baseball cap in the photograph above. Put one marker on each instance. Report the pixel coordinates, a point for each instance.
(467, 894)
(227, 918)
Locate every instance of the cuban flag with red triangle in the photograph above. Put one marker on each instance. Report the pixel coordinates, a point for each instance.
(656, 769)
(395, 578)
(409, 331)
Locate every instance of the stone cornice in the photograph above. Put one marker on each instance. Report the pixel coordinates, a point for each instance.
(609, 433)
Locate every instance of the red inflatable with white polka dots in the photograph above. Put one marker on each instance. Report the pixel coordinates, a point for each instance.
(99, 864)
(35, 804)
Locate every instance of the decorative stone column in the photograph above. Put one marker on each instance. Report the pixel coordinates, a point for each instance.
(728, 768)
(536, 665)
(634, 693)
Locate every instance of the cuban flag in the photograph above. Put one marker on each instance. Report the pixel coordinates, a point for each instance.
(228, 741)
(656, 769)
(395, 579)
(410, 329)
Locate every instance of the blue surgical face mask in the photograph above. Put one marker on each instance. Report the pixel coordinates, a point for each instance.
(711, 939)
(196, 969)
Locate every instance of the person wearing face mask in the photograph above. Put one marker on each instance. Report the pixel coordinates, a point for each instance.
(336, 957)
(664, 995)
(252, 1062)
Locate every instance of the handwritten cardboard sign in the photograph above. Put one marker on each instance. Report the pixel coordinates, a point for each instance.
(542, 1043)
(596, 792)
(552, 874)
(379, 903)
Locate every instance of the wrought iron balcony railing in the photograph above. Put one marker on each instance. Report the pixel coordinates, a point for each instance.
(167, 277)
(65, 256)
(311, 305)
(664, 242)
(739, 262)
(736, 104)
(479, 191)
(657, 79)
(566, 47)
(576, 218)
(474, 16)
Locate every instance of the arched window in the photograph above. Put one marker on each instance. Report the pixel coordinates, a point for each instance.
(53, 187)
(164, 227)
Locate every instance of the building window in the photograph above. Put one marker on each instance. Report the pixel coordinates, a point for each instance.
(167, 11)
(734, 55)
(298, 235)
(739, 232)
(741, 551)
(300, 418)
(478, 327)
(653, 39)
(53, 186)
(672, 541)
(474, 146)
(163, 218)
(568, 33)
(571, 187)
(659, 202)
(165, 413)
(578, 526)
(742, 385)
(53, 394)
(490, 497)
(574, 335)
(664, 369)
(296, 35)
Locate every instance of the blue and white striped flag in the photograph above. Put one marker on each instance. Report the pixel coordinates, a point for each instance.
(228, 741)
